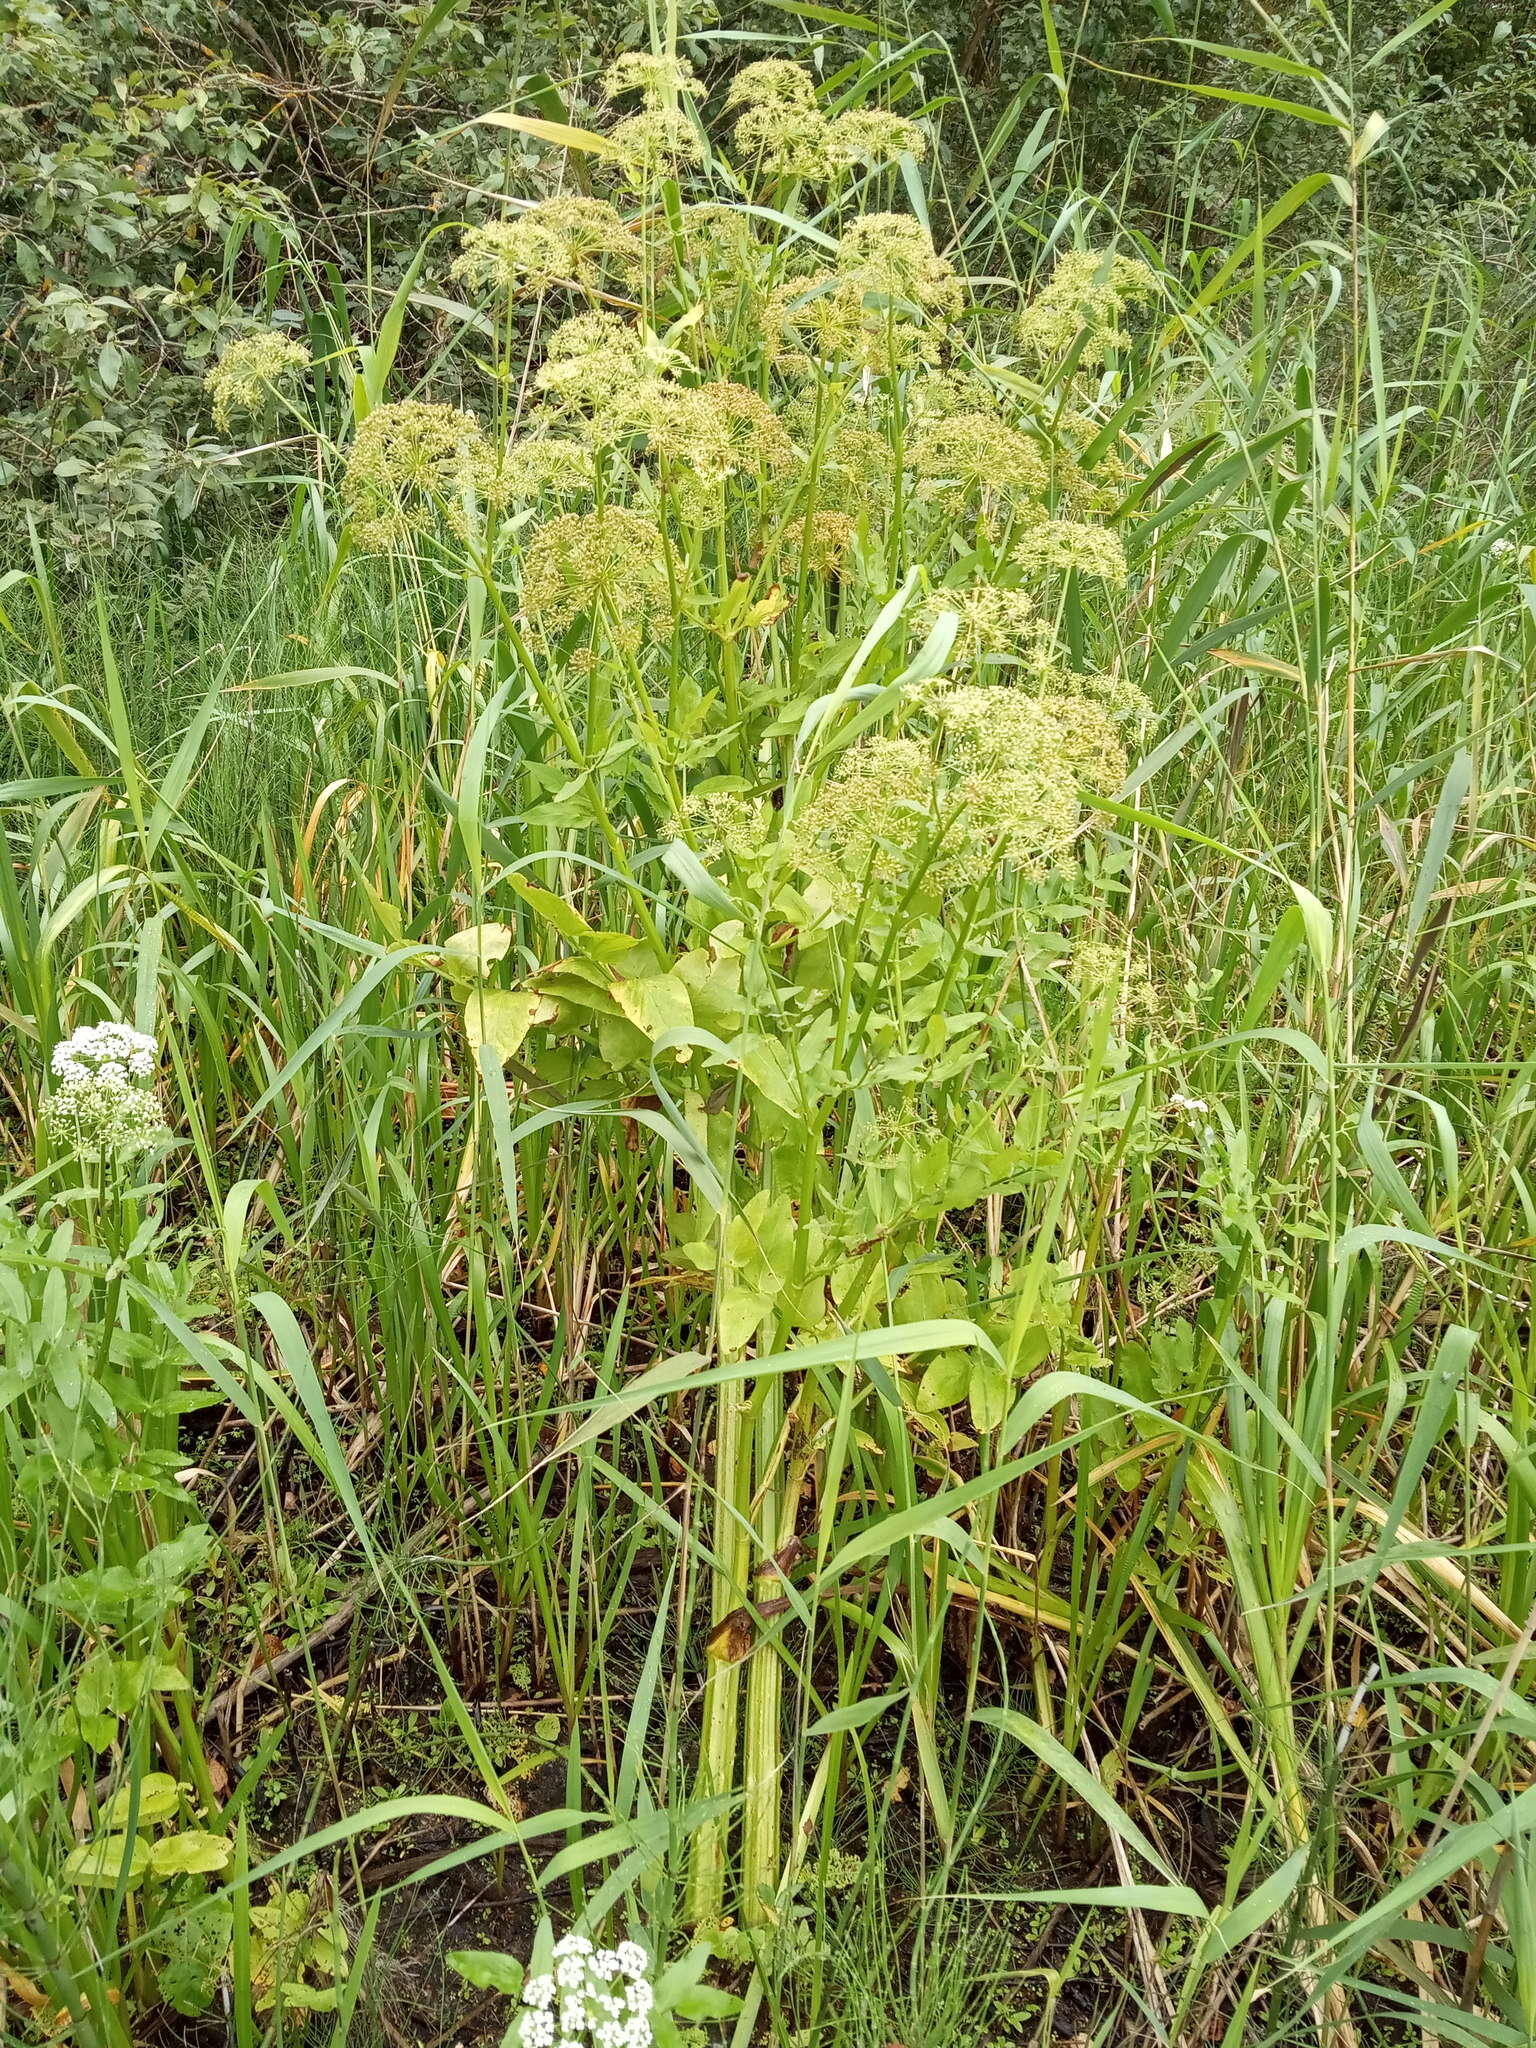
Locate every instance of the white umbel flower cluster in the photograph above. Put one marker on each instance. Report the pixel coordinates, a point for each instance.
(593, 1998)
(103, 1100)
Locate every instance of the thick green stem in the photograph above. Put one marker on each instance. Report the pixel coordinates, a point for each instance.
(761, 1833)
(705, 1898)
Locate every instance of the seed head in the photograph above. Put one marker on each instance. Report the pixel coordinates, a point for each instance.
(993, 621)
(1007, 764)
(893, 254)
(1100, 967)
(854, 475)
(779, 123)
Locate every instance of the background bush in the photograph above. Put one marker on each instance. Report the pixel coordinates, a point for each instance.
(173, 169)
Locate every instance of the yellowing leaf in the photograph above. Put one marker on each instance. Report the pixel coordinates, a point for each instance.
(655, 1003)
(193, 1850)
(468, 953)
(740, 1310)
(503, 1017)
(946, 1381)
(159, 1797)
(560, 133)
(989, 1394)
(108, 1860)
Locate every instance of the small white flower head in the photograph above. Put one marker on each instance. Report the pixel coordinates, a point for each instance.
(103, 1103)
(1188, 1105)
(573, 2006)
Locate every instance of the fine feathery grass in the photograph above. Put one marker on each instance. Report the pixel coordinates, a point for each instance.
(818, 1254)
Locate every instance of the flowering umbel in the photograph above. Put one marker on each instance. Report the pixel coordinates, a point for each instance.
(780, 124)
(1073, 544)
(593, 1998)
(412, 464)
(245, 374)
(607, 563)
(103, 1101)
(562, 241)
(1086, 297)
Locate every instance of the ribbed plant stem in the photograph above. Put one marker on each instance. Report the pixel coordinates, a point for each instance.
(705, 1897)
(761, 1823)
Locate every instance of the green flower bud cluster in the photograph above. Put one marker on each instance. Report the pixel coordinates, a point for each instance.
(592, 362)
(705, 434)
(1086, 297)
(869, 820)
(660, 140)
(725, 823)
(780, 125)
(993, 621)
(876, 309)
(819, 553)
(1065, 544)
(977, 451)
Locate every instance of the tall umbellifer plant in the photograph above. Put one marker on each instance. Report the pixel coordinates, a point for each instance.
(788, 555)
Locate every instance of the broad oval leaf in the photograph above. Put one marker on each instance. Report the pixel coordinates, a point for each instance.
(503, 1017)
(194, 1850)
(469, 952)
(159, 1797)
(109, 1861)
